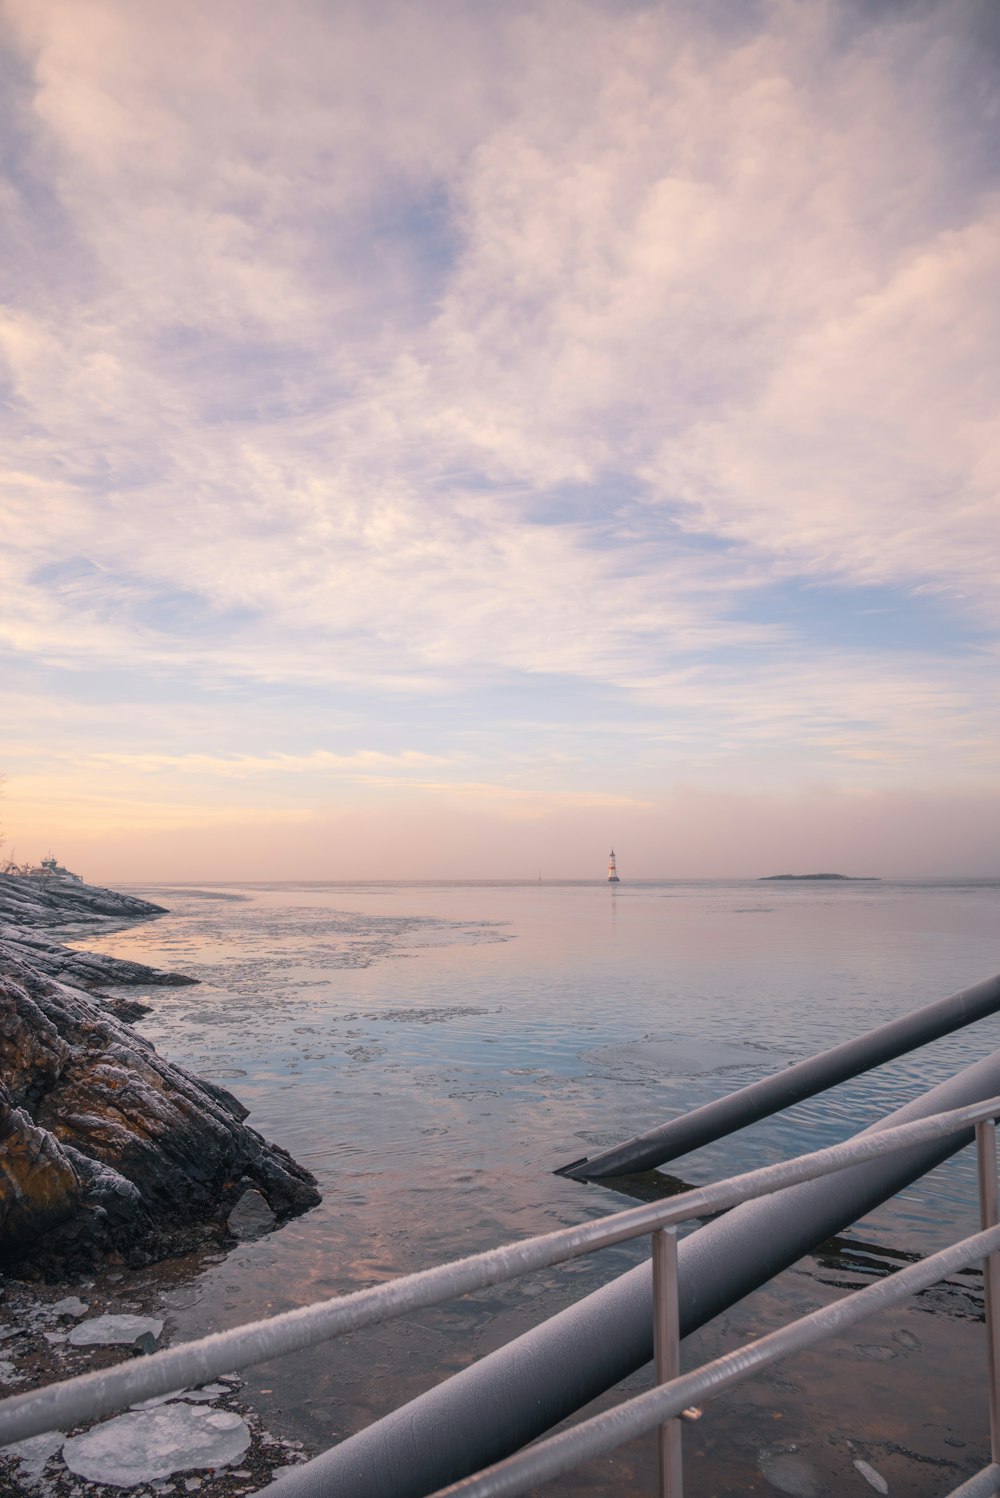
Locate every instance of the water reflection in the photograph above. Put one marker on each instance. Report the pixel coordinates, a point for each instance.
(434, 1052)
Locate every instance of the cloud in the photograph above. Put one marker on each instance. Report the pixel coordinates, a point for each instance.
(408, 356)
(242, 765)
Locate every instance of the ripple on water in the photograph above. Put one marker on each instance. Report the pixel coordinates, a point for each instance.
(433, 1096)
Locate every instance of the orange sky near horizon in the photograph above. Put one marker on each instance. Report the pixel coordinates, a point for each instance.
(446, 441)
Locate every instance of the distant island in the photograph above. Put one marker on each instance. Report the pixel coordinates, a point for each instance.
(850, 878)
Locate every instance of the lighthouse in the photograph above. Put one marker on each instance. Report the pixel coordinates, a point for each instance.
(612, 871)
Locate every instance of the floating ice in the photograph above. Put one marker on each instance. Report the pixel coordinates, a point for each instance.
(789, 1473)
(158, 1399)
(70, 1305)
(205, 1395)
(137, 1448)
(35, 1452)
(869, 1474)
(114, 1331)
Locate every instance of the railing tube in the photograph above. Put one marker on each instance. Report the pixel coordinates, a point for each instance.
(103, 1390)
(602, 1433)
(986, 1150)
(790, 1085)
(514, 1394)
(667, 1356)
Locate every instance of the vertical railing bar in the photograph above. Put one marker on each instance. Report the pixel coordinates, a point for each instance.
(989, 1215)
(667, 1356)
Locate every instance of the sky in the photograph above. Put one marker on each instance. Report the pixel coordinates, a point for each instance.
(449, 440)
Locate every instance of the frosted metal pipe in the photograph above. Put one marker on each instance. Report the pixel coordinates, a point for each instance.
(636, 1417)
(989, 1214)
(749, 1104)
(507, 1399)
(104, 1390)
(983, 1485)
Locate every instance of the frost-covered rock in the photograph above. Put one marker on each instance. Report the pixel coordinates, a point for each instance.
(150, 1444)
(114, 1331)
(33, 905)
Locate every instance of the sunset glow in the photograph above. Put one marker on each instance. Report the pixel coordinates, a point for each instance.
(449, 441)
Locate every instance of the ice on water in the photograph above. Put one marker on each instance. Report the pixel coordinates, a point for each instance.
(34, 1453)
(152, 1444)
(114, 1331)
(70, 1305)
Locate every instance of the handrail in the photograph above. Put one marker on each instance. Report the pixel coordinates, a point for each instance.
(644, 1412)
(103, 1390)
(769, 1095)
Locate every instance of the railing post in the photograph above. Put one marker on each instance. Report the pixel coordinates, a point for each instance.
(986, 1148)
(667, 1350)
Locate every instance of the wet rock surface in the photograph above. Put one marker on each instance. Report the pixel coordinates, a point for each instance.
(105, 1147)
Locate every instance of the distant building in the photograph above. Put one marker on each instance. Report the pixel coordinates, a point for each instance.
(612, 870)
(51, 868)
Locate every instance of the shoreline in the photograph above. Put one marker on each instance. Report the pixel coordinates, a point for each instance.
(46, 1295)
(109, 1149)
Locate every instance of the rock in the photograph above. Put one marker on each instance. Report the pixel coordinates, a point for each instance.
(39, 1188)
(30, 905)
(144, 1446)
(41, 898)
(114, 1331)
(104, 1146)
(251, 1217)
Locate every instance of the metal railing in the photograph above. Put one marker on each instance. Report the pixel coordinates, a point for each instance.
(791, 1084)
(664, 1407)
(91, 1395)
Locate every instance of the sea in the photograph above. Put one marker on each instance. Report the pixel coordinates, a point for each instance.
(434, 1051)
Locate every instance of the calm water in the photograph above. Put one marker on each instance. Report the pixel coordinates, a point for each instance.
(432, 1052)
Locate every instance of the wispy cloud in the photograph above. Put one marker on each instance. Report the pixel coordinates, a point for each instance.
(429, 367)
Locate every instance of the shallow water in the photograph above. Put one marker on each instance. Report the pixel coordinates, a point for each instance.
(433, 1052)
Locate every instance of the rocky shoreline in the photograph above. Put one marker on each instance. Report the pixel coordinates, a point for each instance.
(107, 1151)
(121, 1177)
(42, 1330)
